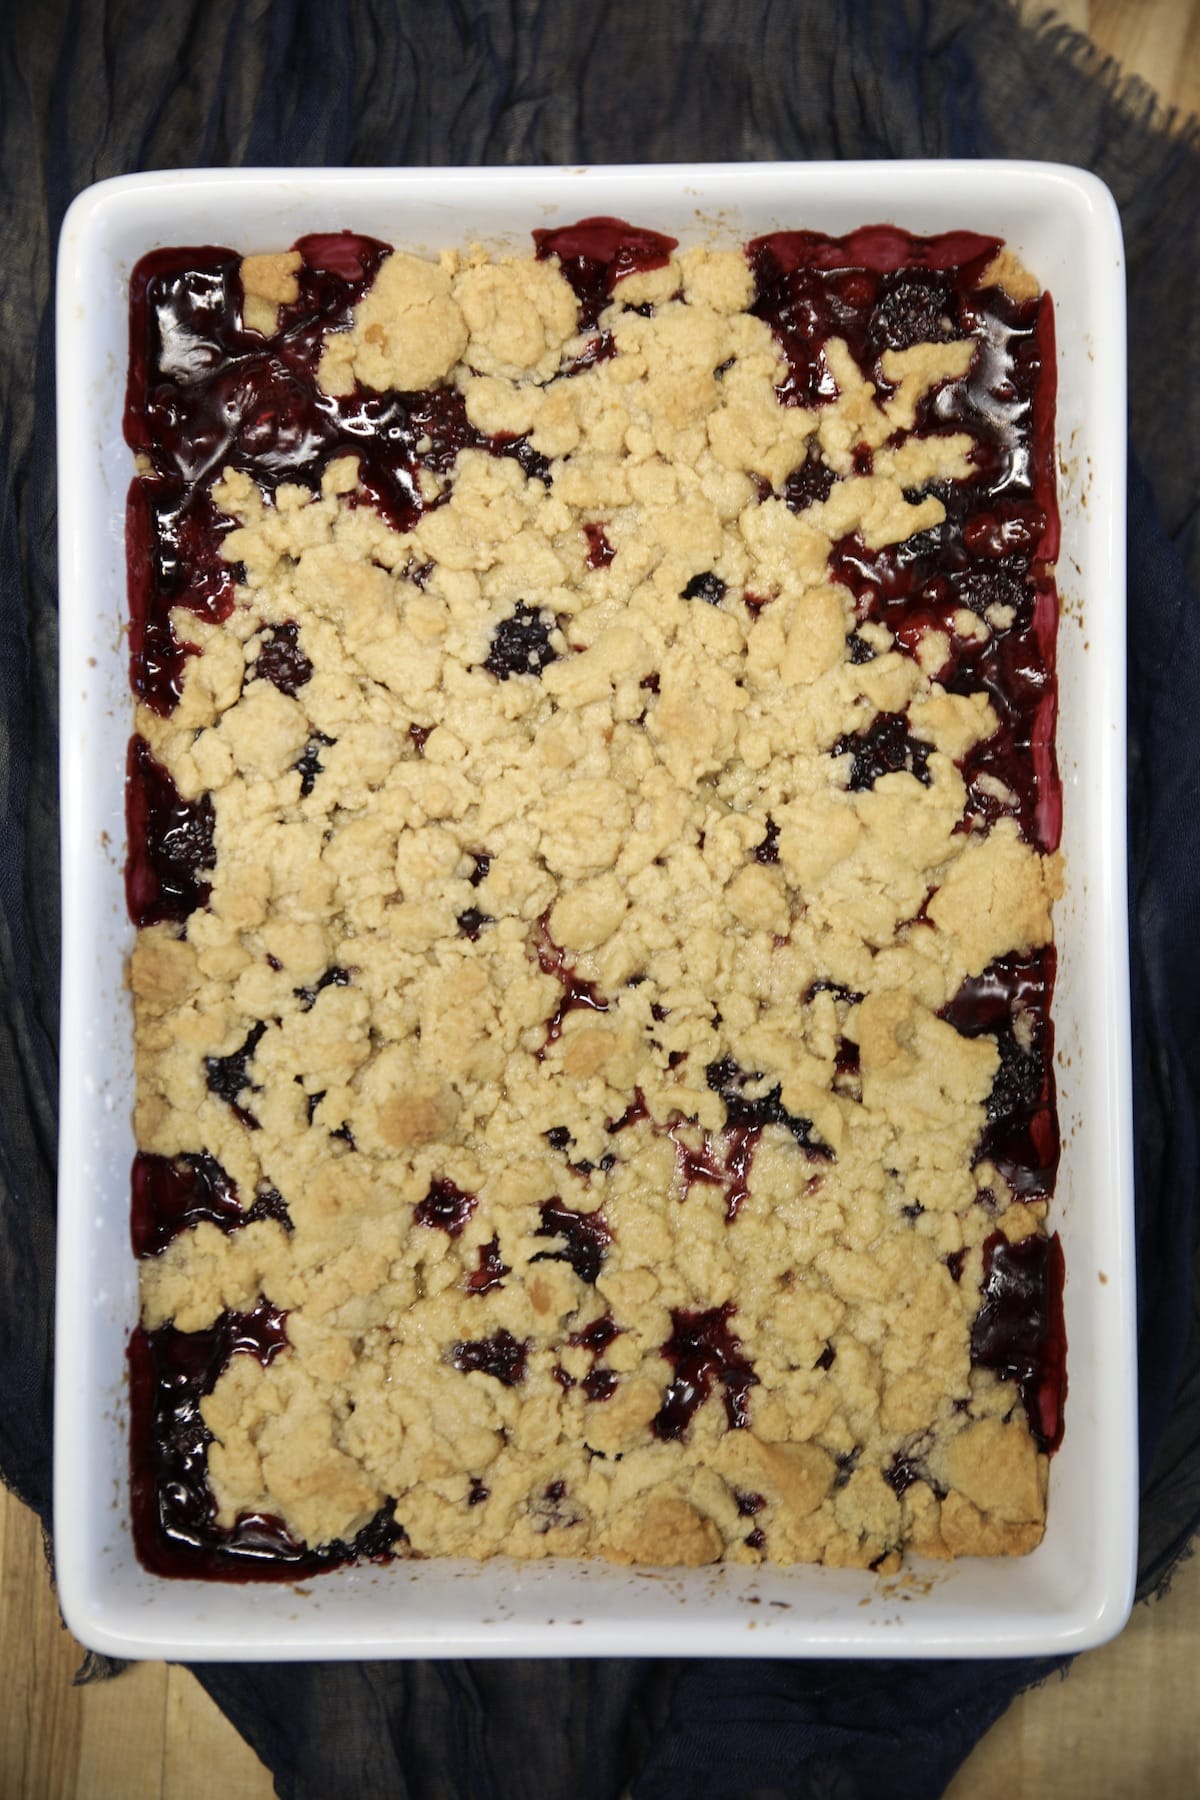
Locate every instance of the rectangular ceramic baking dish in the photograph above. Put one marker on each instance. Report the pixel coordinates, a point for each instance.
(1075, 1590)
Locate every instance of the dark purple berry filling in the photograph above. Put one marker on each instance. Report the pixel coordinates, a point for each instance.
(906, 1467)
(471, 922)
(768, 850)
(707, 587)
(598, 1384)
(175, 1527)
(811, 482)
(490, 1271)
(883, 748)
(876, 289)
(334, 977)
(282, 661)
(227, 1076)
(595, 254)
(501, 1355)
(521, 645)
(174, 1193)
(170, 843)
(881, 289)
(703, 1351)
(845, 994)
(915, 306)
(721, 1162)
(1019, 1331)
(586, 1237)
(597, 1336)
(743, 1113)
(445, 1206)
(310, 764)
(599, 552)
(1011, 1002)
(552, 960)
(204, 393)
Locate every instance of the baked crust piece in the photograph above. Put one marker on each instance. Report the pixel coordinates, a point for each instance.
(590, 875)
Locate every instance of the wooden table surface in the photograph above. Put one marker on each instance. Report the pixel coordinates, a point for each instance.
(1124, 1724)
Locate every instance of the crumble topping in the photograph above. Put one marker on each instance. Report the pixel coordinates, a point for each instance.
(589, 885)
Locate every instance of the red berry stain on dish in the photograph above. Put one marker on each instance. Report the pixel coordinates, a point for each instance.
(703, 1352)
(1019, 1333)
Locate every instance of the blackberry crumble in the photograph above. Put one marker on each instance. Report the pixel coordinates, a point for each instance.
(683, 1157)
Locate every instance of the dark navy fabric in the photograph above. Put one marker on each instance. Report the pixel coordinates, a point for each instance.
(90, 88)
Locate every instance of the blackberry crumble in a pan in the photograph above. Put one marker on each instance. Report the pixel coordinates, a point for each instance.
(593, 822)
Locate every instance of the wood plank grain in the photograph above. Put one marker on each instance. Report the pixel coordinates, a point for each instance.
(122, 1740)
(39, 1728)
(1122, 1725)
(1151, 41)
(200, 1741)
(1158, 40)
(151, 1733)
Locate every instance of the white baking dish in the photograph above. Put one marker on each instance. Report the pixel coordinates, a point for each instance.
(1075, 1590)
